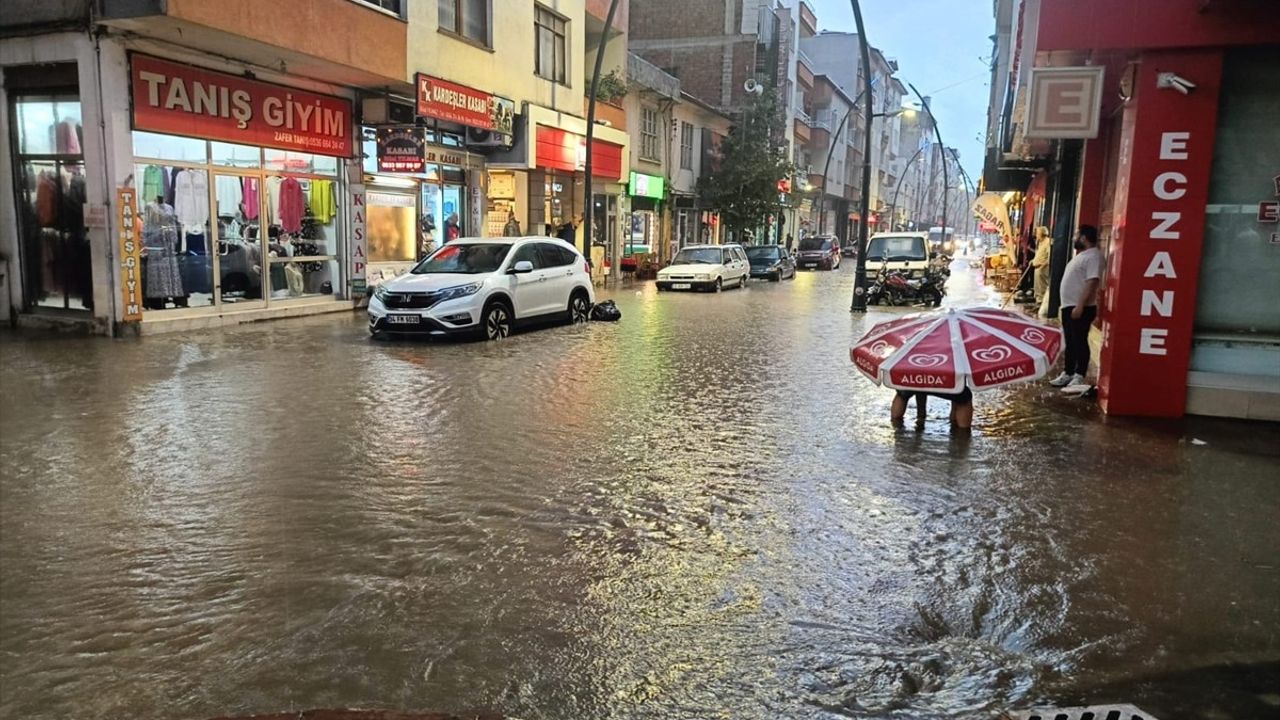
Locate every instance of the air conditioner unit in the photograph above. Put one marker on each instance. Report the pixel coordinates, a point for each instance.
(479, 137)
(386, 111)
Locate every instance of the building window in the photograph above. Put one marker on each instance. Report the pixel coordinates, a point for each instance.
(551, 45)
(395, 7)
(650, 147)
(686, 146)
(468, 18)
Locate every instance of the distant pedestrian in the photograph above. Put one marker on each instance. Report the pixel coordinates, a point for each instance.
(452, 230)
(961, 407)
(568, 232)
(790, 242)
(1078, 295)
(512, 228)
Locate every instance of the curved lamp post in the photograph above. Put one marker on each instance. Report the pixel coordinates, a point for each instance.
(859, 303)
(589, 217)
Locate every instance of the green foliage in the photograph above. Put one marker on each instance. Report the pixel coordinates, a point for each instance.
(744, 188)
(612, 87)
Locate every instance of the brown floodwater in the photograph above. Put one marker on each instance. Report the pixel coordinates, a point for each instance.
(699, 511)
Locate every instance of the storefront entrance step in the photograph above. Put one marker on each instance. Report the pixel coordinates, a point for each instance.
(158, 323)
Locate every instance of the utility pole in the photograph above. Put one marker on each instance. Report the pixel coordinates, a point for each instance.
(589, 216)
(859, 303)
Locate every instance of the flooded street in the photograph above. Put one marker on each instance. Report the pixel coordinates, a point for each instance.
(699, 511)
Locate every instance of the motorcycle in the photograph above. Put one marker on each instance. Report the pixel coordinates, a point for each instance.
(894, 288)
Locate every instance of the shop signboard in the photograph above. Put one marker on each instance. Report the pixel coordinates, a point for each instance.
(650, 186)
(179, 99)
(994, 213)
(449, 101)
(1065, 102)
(401, 150)
(130, 248)
(359, 241)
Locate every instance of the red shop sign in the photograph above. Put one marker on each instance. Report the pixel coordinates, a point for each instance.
(184, 100)
(444, 100)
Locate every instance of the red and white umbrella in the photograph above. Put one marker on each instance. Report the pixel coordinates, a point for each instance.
(946, 350)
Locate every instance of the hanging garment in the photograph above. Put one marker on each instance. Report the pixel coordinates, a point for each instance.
(273, 200)
(229, 195)
(47, 199)
(195, 243)
(155, 215)
(163, 278)
(153, 183)
(251, 199)
(191, 201)
(171, 187)
(292, 206)
(67, 137)
(324, 206)
(293, 276)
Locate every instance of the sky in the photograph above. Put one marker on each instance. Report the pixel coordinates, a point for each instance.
(943, 47)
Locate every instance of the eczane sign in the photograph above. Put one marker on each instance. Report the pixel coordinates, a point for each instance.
(1065, 102)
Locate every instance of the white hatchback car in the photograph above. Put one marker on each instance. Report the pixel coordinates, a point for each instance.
(706, 267)
(485, 287)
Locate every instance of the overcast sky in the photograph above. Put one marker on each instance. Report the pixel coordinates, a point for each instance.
(943, 48)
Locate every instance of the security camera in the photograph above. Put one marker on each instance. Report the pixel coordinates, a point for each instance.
(1168, 80)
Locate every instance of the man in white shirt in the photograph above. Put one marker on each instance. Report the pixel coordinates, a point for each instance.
(1079, 298)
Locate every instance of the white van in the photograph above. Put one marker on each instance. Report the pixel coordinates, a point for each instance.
(907, 252)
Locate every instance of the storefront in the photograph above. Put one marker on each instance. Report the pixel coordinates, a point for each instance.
(646, 193)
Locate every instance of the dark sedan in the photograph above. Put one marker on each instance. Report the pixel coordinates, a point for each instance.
(771, 261)
(819, 251)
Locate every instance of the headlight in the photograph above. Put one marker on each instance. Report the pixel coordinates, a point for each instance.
(702, 276)
(380, 292)
(459, 291)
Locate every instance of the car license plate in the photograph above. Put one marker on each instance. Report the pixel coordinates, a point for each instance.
(403, 319)
(681, 286)
(809, 265)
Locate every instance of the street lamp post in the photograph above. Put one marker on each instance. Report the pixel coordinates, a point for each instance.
(893, 206)
(589, 217)
(859, 303)
(938, 134)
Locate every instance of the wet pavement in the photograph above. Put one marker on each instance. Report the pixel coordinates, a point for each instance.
(700, 511)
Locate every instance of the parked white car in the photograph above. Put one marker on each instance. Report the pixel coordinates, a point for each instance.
(706, 267)
(906, 252)
(485, 287)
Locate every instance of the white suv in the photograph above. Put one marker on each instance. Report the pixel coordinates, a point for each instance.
(485, 287)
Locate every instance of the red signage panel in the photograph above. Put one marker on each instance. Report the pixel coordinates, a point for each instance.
(557, 149)
(1153, 263)
(179, 99)
(452, 102)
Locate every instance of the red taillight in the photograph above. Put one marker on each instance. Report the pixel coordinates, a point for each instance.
(586, 267)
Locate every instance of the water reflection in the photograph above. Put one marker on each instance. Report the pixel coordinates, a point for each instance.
(699, 511)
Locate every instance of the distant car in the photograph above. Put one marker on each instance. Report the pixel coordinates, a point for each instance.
(706, 267)
(906, 252)
(771, 261)
(819, 251)
(485, 287)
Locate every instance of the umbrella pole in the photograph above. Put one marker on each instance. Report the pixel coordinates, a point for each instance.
(1021, 277)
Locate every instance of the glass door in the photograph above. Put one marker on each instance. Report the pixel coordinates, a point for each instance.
(454, 213)
(239, 206)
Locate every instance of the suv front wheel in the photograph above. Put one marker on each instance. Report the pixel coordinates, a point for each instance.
(495, 321)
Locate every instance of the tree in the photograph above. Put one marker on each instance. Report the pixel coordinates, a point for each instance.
(744, 187)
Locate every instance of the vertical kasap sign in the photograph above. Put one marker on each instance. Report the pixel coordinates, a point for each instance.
(359, 241)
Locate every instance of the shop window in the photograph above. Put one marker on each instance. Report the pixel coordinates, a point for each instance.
(232, 155)
(650, 147)
(392, 227)
(49, 125)
(686, 146)
(467, 18)
(169, 147)
(298, 162)
(551, 44)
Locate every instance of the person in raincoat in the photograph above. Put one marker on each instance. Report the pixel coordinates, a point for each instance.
(512, 228)
(1040, 263)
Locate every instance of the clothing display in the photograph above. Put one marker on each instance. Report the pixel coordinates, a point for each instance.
(228, 191)
(273, 199)
(191, 200)
(292, 207)
(67, 137)
(47, 199)
(324, 206)
(163, 278)
(153, 183)
(250, 198)
(169, 187)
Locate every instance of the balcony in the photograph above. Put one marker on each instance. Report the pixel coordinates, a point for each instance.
(608, 113)
(801, 127)
(804, 71)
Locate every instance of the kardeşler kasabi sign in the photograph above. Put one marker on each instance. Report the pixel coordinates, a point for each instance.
(179, 99)
(449, 101)
(401, 150)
